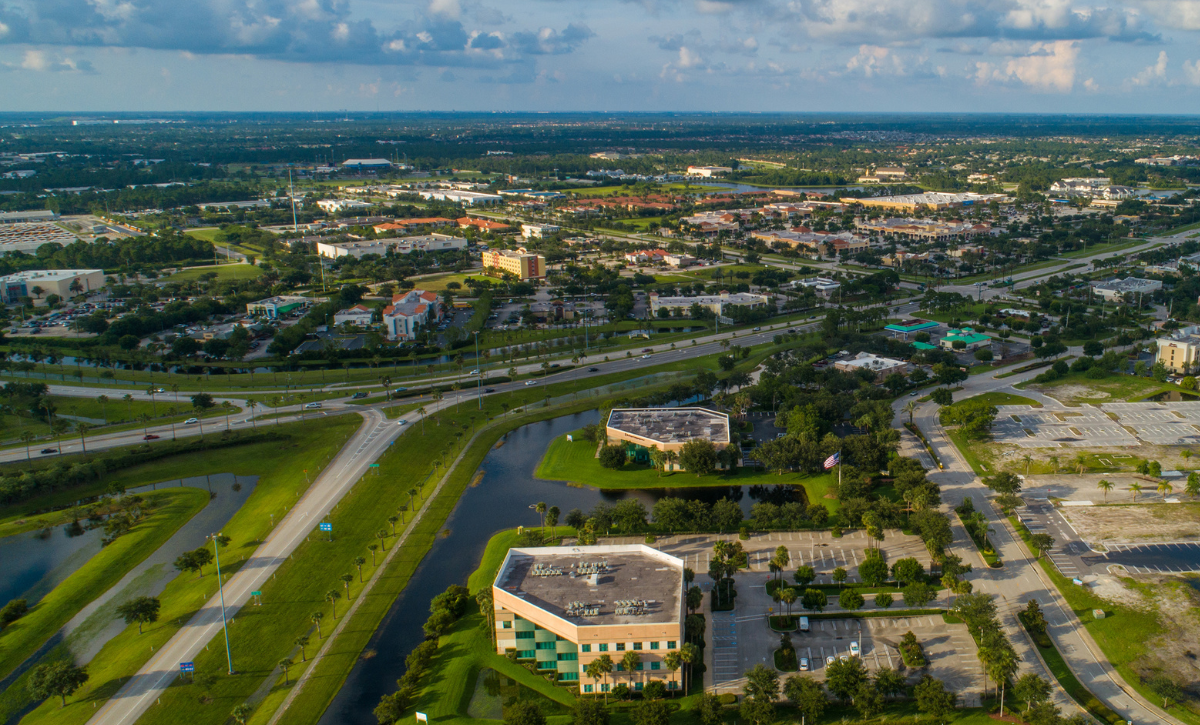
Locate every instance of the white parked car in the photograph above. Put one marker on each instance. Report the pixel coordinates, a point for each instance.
(854, 649)
(402, 422)
(804, 664)
(829, 660)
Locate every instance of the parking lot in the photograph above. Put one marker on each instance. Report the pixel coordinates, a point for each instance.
(818, 549)
(1111, 424)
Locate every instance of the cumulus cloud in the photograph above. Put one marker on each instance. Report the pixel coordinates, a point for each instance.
(1178, 14)
(311, 31)
(41, 62)
(1191, 72)
(873, 60)
(1048, 67)
(1152, 73)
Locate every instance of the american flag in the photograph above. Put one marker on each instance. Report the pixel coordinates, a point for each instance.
(833, 460)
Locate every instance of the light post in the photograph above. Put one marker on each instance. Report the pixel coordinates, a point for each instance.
(221, 591)
(479, 375)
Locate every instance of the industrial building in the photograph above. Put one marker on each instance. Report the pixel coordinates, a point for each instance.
(466, 198)
(1114, 290)
(40, 284)
(564, 606)
(17, 217)
(716, 304)
(525, 265)
(929, 200)
(397, 245)
(881, 366)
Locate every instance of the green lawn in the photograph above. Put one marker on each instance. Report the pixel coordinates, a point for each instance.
(280, 466)
(1124, 635)
(224, 272)
(576, 462)
(208, 234)
(116, 411)
(1004, 399)
(1114, 388)
(437, 283)
(172, 508)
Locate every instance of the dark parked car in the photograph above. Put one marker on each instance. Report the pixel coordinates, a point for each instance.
(593, 370)
(150, 437)
(47, 451)
(489, 390)
(358, 396)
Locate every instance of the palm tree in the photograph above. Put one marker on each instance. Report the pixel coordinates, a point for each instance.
(672, 661)
(284, 664)
(1081, 461)
(358, 562)
(252, 405)
(1027, 460)
(373, 548)
(302, 642)
(1136, 488)
(1105, 486)
(103, 400)
(630, 661)
(1164, 488)
(128, 403)
(599, 668)
(82, 429)
(1193, 485)
(540, 507)
(910, 407)
(228, 407)
(153, 405)
(316, 618)
(332, 596)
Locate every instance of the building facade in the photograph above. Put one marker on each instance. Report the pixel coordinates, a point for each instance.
(1180, 351)
(563, 607)
(65, 283)
(410, 313)
(275, 307)
(525, 265)
(714, 303)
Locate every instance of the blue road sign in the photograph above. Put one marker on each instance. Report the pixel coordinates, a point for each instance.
(326, 527)
(187, 667)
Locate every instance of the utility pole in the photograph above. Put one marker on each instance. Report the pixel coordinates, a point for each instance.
(221, 590)
(479, 376)
(292, 198)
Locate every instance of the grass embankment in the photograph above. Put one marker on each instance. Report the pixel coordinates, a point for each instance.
(996, 398)
(118, 415)
(170, 509)
(280, 466)
(575, 461)
(1124, 634)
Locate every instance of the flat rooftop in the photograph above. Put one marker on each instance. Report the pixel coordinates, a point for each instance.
(32, 275)
(911, 325)
(596, 585)
(1128, 284)
(671, 425)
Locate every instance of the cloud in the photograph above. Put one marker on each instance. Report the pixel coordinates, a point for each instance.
(1048, 67)
(548, 41)
(889, 21)
(39, 62)
(307, 31)
(1152, 73)
(1176, 14)
(1191, 72)
(873, 60)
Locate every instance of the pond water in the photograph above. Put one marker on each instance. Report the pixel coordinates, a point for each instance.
(1173, 396)
(502, 499)
(33, 563)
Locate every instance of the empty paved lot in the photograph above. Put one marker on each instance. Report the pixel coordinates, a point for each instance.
(1111, 424)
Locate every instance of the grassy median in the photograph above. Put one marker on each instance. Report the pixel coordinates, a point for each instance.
(280, 466)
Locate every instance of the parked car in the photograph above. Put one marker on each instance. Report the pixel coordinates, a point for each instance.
(489, 390)
(854, 650)
(191, 421)
(402, 421)
(358, 396)
(804, 664)
(150, 437)
(829, 660)
(593, 370)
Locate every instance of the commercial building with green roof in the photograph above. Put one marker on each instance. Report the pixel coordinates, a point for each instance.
(973, 340)
(924, 346)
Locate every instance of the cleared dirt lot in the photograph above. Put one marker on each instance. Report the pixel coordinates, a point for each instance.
(1135, 524)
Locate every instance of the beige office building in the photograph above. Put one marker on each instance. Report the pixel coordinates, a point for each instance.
(525, 265)
(1180, 351)
(48, 282)
(565, 606)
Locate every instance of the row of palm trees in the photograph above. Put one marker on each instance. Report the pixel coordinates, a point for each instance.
(602, 666)
(1164, 488)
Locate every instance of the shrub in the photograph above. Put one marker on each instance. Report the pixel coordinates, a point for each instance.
(612, 457)
(883, 600)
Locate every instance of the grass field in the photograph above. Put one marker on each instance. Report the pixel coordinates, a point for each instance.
(575, 461)
(437, 283)
(224, 272)
(1076, 388)
(996, 398)
(118, 416)
(208, 234)
(172, 509)
(280, 466)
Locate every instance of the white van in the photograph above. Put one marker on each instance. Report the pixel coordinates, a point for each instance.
(804, 624)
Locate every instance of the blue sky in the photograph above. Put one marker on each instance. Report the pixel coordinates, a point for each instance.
(1122, 56)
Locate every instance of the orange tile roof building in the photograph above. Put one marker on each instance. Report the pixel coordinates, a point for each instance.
(410, 313)
(483, 225)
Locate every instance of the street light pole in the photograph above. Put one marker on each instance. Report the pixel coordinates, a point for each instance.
(221, 590)
(479, 377)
